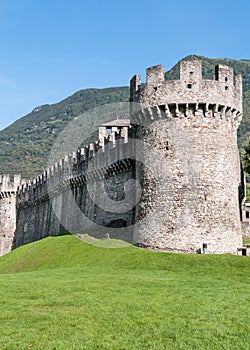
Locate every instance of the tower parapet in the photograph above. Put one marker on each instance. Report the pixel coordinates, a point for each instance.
(224, 90)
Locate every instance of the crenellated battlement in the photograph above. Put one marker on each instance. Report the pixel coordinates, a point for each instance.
(47, 203)
(86, 164)
(8, 185)
(225, 89)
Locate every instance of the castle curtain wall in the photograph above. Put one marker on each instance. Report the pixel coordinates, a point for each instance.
(51, 206)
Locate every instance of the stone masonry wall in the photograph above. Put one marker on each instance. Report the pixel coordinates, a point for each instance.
(64, 198)
(190, 200)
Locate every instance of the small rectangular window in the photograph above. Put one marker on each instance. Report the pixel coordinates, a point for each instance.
(247, 214)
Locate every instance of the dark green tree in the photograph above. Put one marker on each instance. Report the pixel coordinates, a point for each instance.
(245, 156)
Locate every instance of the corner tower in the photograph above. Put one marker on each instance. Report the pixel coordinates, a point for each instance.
(8, 191)
(190, 184)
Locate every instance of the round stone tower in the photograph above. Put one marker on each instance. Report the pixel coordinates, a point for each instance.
(191, 171)
(8, 189)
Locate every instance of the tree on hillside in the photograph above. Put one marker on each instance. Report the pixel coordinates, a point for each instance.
(245, 156)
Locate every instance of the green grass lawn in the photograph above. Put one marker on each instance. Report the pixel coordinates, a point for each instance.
(63, 293)
(246, 240)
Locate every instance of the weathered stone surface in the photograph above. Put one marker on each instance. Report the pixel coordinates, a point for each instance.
(8, 190)
(191, 198)
(181, 147)
(245, 224)
(77, 196)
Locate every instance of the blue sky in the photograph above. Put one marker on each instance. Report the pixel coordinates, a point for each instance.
(52, 48)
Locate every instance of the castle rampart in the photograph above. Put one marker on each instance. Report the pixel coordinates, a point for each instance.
(188, 168)
(63, 197)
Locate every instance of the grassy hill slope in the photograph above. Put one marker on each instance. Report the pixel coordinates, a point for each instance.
(79, 296)
(66, 251)
(25, 145)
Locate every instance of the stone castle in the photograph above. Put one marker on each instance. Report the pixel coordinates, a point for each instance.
(185, 192)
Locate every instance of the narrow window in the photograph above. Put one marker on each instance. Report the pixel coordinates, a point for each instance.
(226, 79)
(247, 214)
